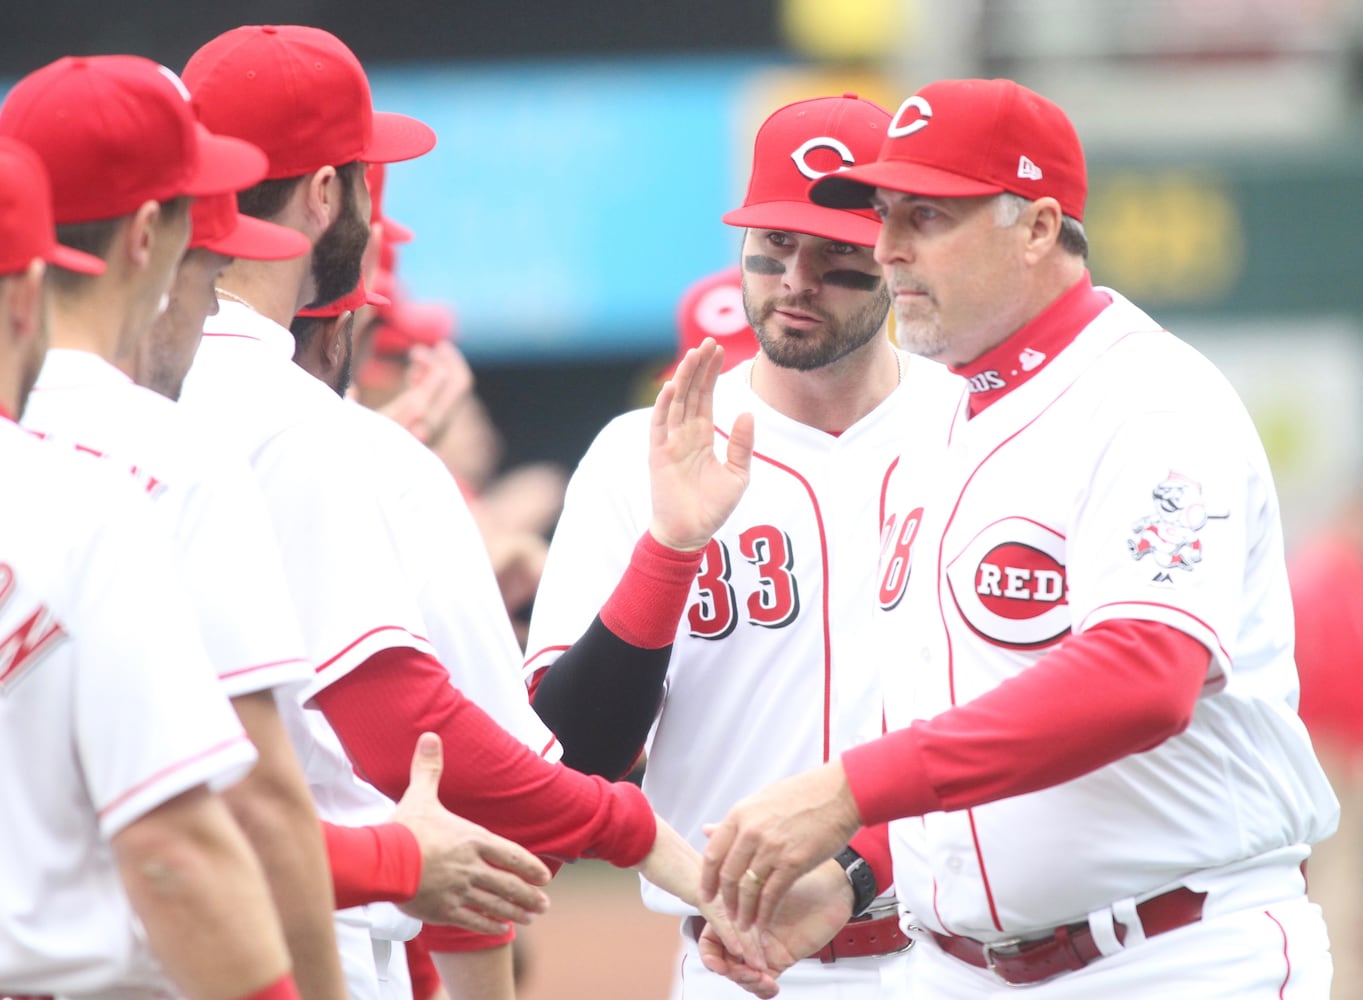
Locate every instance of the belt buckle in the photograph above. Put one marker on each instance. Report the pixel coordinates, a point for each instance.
(990, 947)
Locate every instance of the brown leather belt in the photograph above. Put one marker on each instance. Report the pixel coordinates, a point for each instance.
(1019, 962)
(864, 937)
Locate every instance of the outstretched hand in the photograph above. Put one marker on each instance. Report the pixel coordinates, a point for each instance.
(470, 877)
(439, 382)
(693, 491)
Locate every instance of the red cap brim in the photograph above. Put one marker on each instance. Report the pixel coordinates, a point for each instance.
(74, 260)
(225, 164)
(256, 239)
(853, 188)
(802, 217)
(394, 231)
(396, 138)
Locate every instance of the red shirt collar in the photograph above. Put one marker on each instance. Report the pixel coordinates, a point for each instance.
(999, 371)
(5, 414)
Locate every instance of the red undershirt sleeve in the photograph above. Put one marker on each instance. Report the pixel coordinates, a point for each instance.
(1122, 687)
(380, 708)
(372, 864)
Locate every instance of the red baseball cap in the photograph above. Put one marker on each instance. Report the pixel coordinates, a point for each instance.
(962, 138)
(218, 226)
(301, 95)
(357, 298)
(406, 324)
(800, 143)
(713, 307)
(117, 131)
(26, 227)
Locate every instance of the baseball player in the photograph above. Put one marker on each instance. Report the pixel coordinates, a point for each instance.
(69, 112)
(1098, 782)
(733, 639)
(379, 681)
(121, 868)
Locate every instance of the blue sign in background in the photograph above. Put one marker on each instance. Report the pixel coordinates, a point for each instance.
(567, 205)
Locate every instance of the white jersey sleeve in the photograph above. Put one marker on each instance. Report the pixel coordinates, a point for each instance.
(340, 560)
(446, 563)
(235, 579)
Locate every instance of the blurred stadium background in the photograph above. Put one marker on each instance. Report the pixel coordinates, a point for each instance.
(587, 152)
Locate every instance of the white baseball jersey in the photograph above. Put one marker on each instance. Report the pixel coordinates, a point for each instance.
(347, 585)
(219, 527)
(108, 709)
(772, 671)
(1124, 480)
(446, 561)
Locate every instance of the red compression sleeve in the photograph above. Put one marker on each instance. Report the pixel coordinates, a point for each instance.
(372, 864)
(647, 603)
(1120, 688)
(380, 708)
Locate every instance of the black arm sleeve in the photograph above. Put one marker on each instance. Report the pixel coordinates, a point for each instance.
(600, 698)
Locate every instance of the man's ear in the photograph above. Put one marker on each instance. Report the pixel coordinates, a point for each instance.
(333, 339)
(323, 197)
(21, 297)
(137, 234)
(1042, 219)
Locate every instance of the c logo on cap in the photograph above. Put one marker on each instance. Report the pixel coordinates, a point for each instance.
(821, 142)
(720, 311)
(924, 109)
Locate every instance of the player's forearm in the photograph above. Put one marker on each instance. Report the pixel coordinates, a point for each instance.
(200, 894)
(380, 709)
(275, 810)
(673, 865)
(601, 696)
(486, 974)
(600, 699)
(1118, 689)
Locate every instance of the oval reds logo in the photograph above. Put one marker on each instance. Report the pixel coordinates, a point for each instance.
(1009, 584)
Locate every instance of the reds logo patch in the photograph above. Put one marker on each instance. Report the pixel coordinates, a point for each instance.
(1009, 584)
(1170, 535)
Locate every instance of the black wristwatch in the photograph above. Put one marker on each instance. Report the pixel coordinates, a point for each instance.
(861, 876)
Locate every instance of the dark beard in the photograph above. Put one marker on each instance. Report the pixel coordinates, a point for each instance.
(811, 350)
(338, 252)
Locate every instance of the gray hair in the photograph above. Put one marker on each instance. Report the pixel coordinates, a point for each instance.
(1008, 209)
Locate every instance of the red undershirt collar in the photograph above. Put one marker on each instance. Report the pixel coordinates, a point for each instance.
(1001, 370)
(5, 414)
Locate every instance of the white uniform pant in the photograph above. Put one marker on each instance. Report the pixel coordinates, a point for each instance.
(1268, 952)
(875, 978)
(373, 953)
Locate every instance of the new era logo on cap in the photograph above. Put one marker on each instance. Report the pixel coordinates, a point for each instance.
(968, 138)
(1028, 170)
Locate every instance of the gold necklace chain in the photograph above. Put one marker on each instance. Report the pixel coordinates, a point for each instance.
(223, 293)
